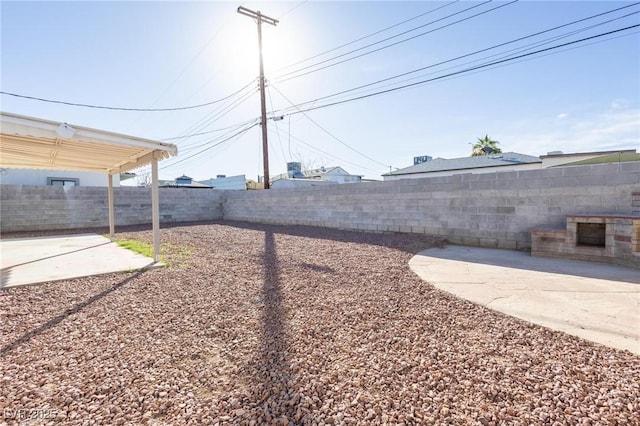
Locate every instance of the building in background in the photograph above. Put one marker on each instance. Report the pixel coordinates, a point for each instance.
(295, 176)
(182, 182)
(508, 161)
(10, 176)
(231, 183)
(425, 166)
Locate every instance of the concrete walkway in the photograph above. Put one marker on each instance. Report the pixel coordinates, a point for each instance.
(597, 302)
(35, 260)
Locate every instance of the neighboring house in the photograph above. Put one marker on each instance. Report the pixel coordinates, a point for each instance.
(231, 183)
(253, 185)
(296, 183)
(182, 182)
(504, 162)
(9, 176)
(558, 158)
(331, 174)
(507, 161)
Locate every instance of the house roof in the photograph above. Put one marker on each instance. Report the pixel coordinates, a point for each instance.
(482, 161)
(326, 171)
(582, 154)
(174, 184)
(316, 173)
(33, 143)
(616, 157)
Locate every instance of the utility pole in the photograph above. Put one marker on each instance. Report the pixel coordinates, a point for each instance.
(263, 106)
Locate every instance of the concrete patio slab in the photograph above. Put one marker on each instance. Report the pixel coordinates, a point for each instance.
(36, 260)
(595, 301)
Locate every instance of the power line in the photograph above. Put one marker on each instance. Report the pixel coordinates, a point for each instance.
(341, 160)
(216, 115)
(487, 49)
(280, 79)
(302, 111)
(368, 35)
(331, 134)
(239, 133)
(193, 59)
(209, 141)
(292, 9)
(122, 108)
(233, 126)
(284, 157)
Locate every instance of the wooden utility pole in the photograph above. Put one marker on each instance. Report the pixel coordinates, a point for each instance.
(263, 106)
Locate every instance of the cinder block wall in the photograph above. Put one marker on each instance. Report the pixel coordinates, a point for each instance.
(492, 210)
(635, 203)
(29, 208)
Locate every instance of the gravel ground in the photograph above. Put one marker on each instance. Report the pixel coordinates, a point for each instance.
(257, 324)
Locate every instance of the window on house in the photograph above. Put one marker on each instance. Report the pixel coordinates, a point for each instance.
(56, 181)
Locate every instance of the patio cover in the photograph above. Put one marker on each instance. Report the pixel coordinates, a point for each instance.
(33, 143)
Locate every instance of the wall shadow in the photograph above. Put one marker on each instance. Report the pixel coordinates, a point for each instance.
(25, 338)
(410, 243)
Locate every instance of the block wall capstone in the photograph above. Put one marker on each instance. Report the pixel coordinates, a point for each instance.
(34, 208)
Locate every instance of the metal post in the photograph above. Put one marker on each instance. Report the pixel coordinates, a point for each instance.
(111, 211)
(155, 209)
(263, 106)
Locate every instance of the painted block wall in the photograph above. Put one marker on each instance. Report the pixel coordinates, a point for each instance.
(491, 210)
(30, 207)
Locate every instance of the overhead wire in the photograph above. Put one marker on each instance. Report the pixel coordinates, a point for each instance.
(367, 36)
(208, 148)
(233, 126)
(112, 108)
(377, 82)
(323, 152)
(280, 78)
(329, 133)
(477, 68)
(292, 9)
(381, 92)
(275, 123)
(541, 56)
(216, 114)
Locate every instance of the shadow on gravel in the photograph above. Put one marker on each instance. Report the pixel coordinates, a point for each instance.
(25, 338)
(274, 377)
(410, 243)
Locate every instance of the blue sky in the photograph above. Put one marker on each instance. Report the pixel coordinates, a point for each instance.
(584, 97)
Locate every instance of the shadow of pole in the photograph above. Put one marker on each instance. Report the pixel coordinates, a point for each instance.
(273, 390)
(25, 338)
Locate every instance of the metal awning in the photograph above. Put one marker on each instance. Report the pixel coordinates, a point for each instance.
(34, 143)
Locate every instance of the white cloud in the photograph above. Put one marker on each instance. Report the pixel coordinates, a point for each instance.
(619, 103)
(611, 129)
(563, 115)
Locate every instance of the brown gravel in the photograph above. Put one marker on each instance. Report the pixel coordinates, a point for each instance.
(254, 324)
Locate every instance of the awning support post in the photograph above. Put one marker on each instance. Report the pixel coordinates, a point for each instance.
(111, 210)
(155, 209)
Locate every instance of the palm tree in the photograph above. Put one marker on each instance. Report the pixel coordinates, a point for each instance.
(485, 146)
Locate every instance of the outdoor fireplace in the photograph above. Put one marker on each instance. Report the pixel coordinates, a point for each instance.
(591, 234)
